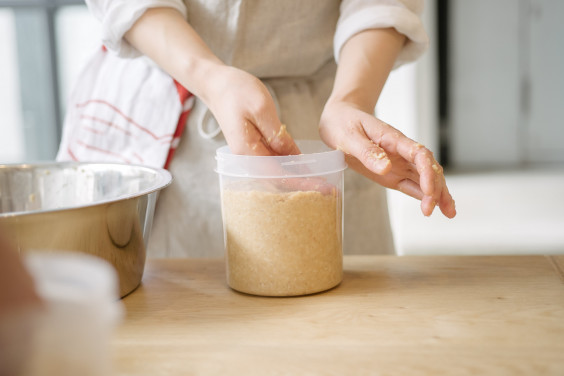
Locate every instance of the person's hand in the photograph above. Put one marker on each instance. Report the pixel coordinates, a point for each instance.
(383, 154)
(247, 114)
(239, 101)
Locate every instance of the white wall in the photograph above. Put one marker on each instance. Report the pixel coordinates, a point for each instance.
(11, 132)
(506, 83)
(500, 211)
(77, 35)
(544, 128)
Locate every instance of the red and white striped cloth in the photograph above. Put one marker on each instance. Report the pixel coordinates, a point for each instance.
(124, 110)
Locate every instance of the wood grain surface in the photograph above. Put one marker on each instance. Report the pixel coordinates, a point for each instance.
(419, 315)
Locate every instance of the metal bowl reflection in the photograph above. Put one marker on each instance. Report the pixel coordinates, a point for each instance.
(104, 209)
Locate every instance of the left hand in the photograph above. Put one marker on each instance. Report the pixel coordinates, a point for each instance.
(385, 155)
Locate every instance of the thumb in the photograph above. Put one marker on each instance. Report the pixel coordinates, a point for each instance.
(275, 136)
(281, 143)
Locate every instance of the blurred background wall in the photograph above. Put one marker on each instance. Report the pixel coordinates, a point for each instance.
(44, 44)
(487, 98)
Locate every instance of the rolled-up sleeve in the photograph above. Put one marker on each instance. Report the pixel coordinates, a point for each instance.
(404, 16)
(118, 16)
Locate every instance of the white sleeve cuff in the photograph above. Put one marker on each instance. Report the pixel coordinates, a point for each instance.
(402, 19)
(117, 17)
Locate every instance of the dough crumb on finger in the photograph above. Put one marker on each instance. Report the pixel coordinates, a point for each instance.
(414, 149)
(380, 155)
(282, 131)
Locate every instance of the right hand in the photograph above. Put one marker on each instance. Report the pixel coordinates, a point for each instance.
(247, 114)
(239, 101)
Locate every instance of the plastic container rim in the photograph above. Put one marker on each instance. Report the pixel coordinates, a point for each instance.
(338, 155)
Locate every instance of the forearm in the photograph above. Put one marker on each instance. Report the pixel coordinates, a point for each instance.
(163, 35)
(364, 65)
(241, 104)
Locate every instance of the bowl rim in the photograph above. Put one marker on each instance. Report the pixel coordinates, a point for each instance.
(164, 180)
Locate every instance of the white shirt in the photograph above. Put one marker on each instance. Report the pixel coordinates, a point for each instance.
(311, 25)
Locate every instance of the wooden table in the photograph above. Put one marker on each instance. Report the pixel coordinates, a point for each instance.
(424, 315)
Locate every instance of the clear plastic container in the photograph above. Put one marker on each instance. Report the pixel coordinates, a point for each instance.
(283, 220)
(72, 334)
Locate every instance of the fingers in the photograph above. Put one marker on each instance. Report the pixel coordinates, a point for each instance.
(419, 156)
(427, 183)
(447, 204)
(431, 177)
(410, 188)
(275, 136)
(246, 140)
(248, 117)
(359, 145)
(251, 141)
(385, 155)
(280, 141)
(428, 204)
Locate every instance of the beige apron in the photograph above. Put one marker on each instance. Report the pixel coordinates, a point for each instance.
(295, 61)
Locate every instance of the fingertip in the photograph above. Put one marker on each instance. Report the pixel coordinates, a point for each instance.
(283, 143)
(294, 149)
(428, 204)
(447, 205)
(450, 210)
(427, 212)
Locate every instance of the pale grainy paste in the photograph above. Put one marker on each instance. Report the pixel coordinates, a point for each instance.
(282, 243)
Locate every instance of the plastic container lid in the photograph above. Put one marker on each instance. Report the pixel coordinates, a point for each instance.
(76, 278)
(317, 159)
(72, 335)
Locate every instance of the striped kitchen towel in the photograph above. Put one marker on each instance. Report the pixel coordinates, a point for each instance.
(124, 110)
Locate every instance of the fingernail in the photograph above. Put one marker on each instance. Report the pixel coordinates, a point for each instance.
(382, 165)
(380, 160)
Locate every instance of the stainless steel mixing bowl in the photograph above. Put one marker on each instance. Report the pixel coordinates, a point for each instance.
(104, 209)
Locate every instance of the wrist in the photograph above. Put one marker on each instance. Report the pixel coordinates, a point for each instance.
(350, 99)
(203, 77)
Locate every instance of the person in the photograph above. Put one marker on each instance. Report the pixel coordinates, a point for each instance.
(256, 69)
